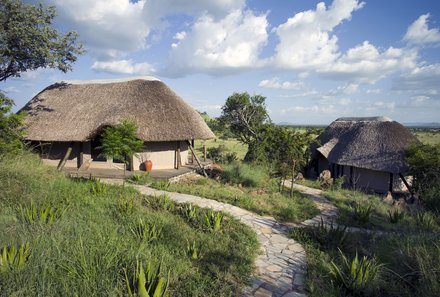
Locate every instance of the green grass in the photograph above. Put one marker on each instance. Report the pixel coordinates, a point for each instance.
(411, 263)
(428, 136)
(264, 200)
(231, 144)
(348, 201)
(86, 251)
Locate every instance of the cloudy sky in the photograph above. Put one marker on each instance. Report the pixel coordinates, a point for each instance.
(314, 61)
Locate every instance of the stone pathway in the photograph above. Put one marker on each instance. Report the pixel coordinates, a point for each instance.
(281, 264)
(328, 211)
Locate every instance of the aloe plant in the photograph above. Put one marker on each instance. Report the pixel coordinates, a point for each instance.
(145, 231)
(355, 275)
(214, 220)
(362, 213)
(193, 250)
(13, 258)
(190, 212)
(98, 187)
(44, 215)
(149, 282)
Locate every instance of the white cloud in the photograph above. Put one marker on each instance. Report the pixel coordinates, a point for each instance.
(306, 41)
(274, 83)
(231, 43)
(123, 67)
(109, 28)
(422, 80)
(365, 63)
(156, 10)
(419, 33)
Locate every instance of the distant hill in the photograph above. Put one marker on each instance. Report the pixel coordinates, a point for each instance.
(422, 125)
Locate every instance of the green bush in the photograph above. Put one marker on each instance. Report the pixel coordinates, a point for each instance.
(140, 178)
(247, 175)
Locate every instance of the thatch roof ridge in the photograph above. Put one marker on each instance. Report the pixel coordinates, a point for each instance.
(78, 111)
(375, 144)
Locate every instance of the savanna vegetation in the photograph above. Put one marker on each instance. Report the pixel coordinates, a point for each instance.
(63, 237)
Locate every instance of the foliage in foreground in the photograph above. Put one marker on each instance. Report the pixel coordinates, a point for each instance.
(406, 263)
(86, 251)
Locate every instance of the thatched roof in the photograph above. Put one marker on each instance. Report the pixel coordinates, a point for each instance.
(78, 110)
(373, 143)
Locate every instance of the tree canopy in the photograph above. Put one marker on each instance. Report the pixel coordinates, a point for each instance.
(28, 41)
(246, 115)
(10, 127)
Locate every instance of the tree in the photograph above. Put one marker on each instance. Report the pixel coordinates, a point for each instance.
(28, 41)
(285, 149)
(246, 116)
(424, 166)
(120, 141)
(11, 132)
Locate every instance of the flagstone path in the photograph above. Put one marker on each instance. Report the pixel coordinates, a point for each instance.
(281, 263)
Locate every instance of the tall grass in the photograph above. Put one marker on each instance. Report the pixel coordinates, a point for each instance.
(86, 251)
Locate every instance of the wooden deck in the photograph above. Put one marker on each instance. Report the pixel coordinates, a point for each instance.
(162, 174)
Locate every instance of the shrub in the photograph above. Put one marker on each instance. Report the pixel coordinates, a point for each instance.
(356, 275)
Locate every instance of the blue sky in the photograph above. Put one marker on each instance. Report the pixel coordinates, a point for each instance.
(314, 61)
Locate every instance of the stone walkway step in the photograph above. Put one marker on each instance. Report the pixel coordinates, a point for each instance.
(281, 264)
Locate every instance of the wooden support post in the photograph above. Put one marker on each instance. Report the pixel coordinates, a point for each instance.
(80, 155)
(66, 157)
(406, 183)
(390, 187)
(192, 156)
(178, 157)
(197, 159)
(204, 153)
(351, 176)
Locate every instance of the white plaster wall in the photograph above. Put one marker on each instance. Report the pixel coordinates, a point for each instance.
(161, 154)
(377, 181)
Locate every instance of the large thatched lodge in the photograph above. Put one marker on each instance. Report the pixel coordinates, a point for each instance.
(369, 152)
(65, 120)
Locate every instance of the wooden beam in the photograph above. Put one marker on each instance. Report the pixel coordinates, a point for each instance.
(406, 183)
(204, 153)
(197, 159)
(66, 157)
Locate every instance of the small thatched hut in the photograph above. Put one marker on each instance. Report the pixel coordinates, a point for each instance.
(369, 152)
(69, 116)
